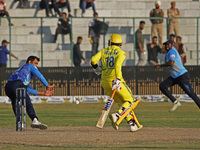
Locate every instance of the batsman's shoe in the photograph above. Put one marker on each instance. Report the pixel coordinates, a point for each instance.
(134, 128)
(37, 124)
(175, 105)
(114, 118)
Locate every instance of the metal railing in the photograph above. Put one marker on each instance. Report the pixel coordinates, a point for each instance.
(134, 25)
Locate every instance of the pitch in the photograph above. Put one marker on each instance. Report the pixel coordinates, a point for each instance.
(72, 126)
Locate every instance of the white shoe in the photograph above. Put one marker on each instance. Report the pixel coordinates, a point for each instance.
(114, 119)
(37, 124)
(134, 128)
(175, 105)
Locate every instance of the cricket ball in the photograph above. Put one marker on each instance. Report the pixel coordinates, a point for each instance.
(77, 102)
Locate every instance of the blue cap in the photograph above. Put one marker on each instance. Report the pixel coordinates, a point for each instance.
(168, 42)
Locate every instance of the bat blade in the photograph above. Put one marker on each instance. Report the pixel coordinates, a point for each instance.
(104, 114)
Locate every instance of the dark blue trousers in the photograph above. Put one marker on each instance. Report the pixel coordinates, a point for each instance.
(184, 82)
(85, 5)
(10, 90)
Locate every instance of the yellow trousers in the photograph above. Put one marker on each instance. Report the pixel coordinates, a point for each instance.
(123, 98)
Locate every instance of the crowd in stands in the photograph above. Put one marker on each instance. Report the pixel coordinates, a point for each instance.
(94, 31)
(157, 32)
(64, 26)
(3, 11)
(56, 4)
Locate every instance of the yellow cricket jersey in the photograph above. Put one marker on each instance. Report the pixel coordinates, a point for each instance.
(112, 59)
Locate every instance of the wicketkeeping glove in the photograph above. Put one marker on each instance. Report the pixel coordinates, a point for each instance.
(116, 84)
(97, 70)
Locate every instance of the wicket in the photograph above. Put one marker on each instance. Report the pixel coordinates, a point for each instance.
(20, 100)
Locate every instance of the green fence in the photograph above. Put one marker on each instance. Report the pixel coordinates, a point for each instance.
(126, 26)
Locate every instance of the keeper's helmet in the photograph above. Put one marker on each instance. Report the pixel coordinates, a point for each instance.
(116, 38)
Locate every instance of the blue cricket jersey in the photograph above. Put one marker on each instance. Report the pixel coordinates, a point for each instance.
(3, 54)
(25, 74)
(177, 69)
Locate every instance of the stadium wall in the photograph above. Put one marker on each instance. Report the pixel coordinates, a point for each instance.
(30, 36)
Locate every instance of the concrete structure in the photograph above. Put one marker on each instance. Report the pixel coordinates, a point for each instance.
(26, 33)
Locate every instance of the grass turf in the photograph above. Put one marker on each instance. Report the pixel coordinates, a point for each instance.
(86, 114)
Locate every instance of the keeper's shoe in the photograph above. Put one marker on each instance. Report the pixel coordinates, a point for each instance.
(175, 105)
(37, 124)
(134, 128)
(114, 119)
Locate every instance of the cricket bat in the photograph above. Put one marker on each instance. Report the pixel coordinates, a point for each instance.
(105, 111)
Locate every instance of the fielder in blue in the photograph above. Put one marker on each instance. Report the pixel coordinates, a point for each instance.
(21, 79)
(179, 75)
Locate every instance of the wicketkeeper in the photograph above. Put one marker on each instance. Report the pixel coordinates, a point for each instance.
(20, 79)
(112, 58)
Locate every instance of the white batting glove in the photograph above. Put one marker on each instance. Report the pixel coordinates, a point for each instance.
(97, 70)
(116, 84)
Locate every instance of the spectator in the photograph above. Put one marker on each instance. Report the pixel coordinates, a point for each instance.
(157, 23)
(94, 33)
(63, 3)
(85, 4)
(77, 56)
(64, 27)
(172, 38)
(3, 11)
(153, 50)
(140, 44)
(181, 49)
(173, 23)
(3, 53)
(22, 3)
(44, 4)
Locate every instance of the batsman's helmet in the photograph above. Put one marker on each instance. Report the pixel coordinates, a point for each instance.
(115, 38)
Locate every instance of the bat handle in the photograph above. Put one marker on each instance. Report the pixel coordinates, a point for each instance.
(113, 93)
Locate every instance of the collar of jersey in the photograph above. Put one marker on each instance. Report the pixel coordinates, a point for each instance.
(115, 46)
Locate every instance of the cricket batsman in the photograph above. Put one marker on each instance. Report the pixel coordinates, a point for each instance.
(112, 58)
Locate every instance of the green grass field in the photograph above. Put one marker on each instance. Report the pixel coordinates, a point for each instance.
(152, 116)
